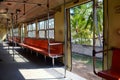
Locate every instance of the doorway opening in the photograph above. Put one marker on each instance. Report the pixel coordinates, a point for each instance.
(81, 22)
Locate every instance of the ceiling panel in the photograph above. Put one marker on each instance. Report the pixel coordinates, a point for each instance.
(27, 9)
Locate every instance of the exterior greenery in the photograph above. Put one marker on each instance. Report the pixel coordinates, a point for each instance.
(82, 23)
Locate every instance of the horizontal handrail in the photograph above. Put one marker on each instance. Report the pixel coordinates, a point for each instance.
(103, 50)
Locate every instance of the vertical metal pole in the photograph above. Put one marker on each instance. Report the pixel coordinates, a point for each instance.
(12, 17)
(99, 37)
(65, 41)
(16, 26)
(21, 33)
(7, 35)
(24, 7)
(94, 22)
(107, 21)
(48, 29)
(94, 29)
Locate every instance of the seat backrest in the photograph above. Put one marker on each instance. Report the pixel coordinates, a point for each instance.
(116, 60)
(43, 43)
(39, 43)
(58, 49)
(28, 41)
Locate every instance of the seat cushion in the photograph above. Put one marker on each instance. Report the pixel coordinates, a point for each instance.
(109, 75)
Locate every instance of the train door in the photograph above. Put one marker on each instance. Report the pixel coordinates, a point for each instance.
(81, 26)
(111, 41)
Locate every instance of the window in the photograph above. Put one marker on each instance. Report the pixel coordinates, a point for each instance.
(41, 28)
(15, 32)
(51, 34)
(22, 31)
(45, 30)
(10, 33)
(50, 29)
(31, 29)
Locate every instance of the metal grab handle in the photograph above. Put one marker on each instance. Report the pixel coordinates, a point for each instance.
(94, 58)
(95, 52)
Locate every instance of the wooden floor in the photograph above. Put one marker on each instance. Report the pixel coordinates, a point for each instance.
(25, 65)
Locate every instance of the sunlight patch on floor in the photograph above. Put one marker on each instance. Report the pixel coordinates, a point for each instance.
(48, 74)
(69, 75)
(19, 58)
(41, 74)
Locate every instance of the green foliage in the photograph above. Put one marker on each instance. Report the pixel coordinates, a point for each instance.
(82, 22)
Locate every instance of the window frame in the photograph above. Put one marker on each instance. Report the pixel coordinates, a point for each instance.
(15, 32)
(31, 32)
(46, 28)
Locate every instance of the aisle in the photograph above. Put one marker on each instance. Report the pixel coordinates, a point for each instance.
(27, 66)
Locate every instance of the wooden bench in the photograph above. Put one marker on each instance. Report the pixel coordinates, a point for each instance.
(114, 72)
(41, 46)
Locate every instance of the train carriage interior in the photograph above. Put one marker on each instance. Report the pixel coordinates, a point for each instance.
(36, 38)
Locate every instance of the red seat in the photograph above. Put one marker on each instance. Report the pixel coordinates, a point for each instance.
(14, 39)
(41, 46)
(114, 72)
(109, 75)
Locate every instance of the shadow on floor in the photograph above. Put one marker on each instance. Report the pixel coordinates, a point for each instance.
(22, 65)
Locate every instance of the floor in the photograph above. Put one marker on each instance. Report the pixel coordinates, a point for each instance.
(26, 65)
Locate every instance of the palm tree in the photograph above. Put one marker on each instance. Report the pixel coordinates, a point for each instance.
(82, 22)
(78, 23)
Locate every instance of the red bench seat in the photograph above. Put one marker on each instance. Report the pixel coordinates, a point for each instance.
(41, 46)
(114, 72)
(109, 75)
(14, 39)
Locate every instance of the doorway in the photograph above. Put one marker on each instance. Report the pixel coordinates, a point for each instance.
(81, 22)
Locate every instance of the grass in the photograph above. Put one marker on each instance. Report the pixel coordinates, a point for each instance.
(87, 60)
